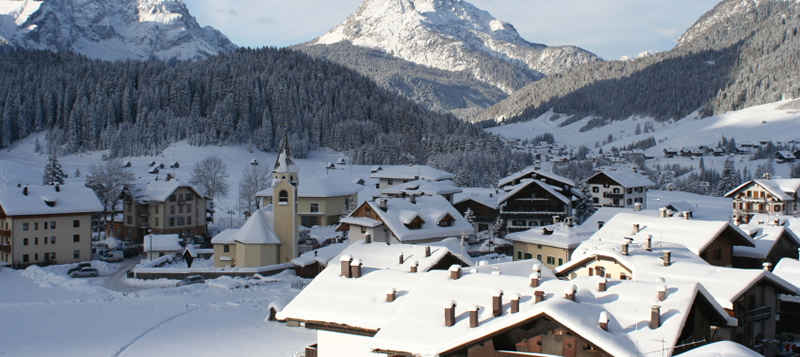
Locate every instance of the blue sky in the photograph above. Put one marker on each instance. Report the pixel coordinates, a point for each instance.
(609, 28)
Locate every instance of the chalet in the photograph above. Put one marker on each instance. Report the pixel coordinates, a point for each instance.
(552, 245)
(482, 203)
(692, 152)
(681, 208)
(560, 183)
(46, 224)
(175, 165)
(784, 156)
(619, 188)
(762, 196)
(718, 152)
(160, 207)
(414, 220)
(670, 152)
(395, 175)
(341, 161)
(789, 324)
(320, 202)
(796, 154)
(126, 164)
(471, 313)
(772, 243)
(153, 170)
(533, 203)
(444, 188)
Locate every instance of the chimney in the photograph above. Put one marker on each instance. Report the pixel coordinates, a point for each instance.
(666, 258)
(473, 316)
(427, 251)
(637, 206)
(687, 215)
(450, 313)
(603, 321)
(556, 219)
(625, 248)
(662, 212)
(538, 296)
(400, 259)
(383, 204)
(655, 317)
(58, 188)
(412, 199)
(25, 190)
(455, 272)
(515, 303)
(602, 284)
(570, 221)
(648, 242)
(600, 224)
(497, 303)
(345, 260)
(635, 228)
(767, 266)
(355, 268)
(662, 292)
(569, 292)
(534, 280)
(391, 294)
(367, 238)
(601, 272)
(414, 267)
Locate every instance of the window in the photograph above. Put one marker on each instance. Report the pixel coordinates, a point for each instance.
(616, 190)
(44, 225)
(129, 219)
(390, 182)
(539, 246)
(171, 209)
(76, 238)
(539, 257)
(718, 254)
(172, 222)
(226, 249)
(52, 224)
(24, 241)
(519, 255)
(314, 207)
(53, 240)
(283, 197)
(528, 255)
(189, 197)
(189, 220)
(616, 202)
(76, 223)
(777, 208)
(630, 190)
(377, 185)
(76, 254)
(156, 222)
(25, 258)
(36, 257)
(363, 229)
(595, 189)
(630, 201)
(24, 226)
(172, 198)
(180, 209)
(36, 241)
(309, 221)
(560, 261)
(367, 209)
(605, 185)
(180, 221)
(35, 226)
(129, 206)
(156, 209)
(180, 197)
(551, 260)
(595, 200)
(53, 255)
(188, 208)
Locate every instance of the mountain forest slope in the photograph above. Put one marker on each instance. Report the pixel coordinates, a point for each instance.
(740, 54)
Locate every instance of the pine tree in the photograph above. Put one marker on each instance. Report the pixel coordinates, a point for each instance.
(730, 179)
(585, 207)
(53, 174)
(469, 215)
(795, 171)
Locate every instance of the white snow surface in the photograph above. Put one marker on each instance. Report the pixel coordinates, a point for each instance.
(720, 349)
(68, 199)
(110, 29)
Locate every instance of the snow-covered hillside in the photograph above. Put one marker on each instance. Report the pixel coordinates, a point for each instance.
(110, 29)
(448, 34)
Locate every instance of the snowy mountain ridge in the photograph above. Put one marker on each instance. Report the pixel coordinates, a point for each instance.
(727, 11)
(110, 29)
(451, 35)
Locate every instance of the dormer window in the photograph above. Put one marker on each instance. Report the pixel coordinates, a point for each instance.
(283, 197)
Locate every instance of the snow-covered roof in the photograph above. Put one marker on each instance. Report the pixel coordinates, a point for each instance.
(692, 233)
(431, 209)
(323, 188)
(783, 189)
(157, 191)
(47, 200)
(527, 182)
(161, 243)
(625, 178)
(725, 284)
(532, 172)
(225, 237)
(322, 255)
(605, 214)
(522, 268)
(561, 236)
(259, 228)
(412, 172)
(485, 196)
(720, 349)
(423, 187)
(788, 269)
(361, 221)
(284, 163)
(765, 237)
(680, 207)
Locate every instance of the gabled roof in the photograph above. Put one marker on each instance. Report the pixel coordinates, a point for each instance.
(430, 209)
(625, 178)
(692, 233)
(680, 207)
(560, 236)
(285, 162)
(778, 187)
(528, 182)
(423, 187)
(485, 196)
(225, 237)
(533, 173)
(789, 270)
(322, 188)
(412, 172)
(157, 191)
(259, 228)
(47, 200)
(765, 237)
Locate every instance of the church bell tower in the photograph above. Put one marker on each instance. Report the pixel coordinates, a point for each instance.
(285, 182)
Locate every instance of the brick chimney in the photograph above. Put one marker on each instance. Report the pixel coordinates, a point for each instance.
(602, 284)
(767, 266)
(400, 259)
(603, 321)
(655, 317)
(450, 313)
(662, 212)
(556, 219)
(635, 228)
(345, 260)
(473, 316)
(600, 224)
(534, 280)
(497, 303)
(687, 215)
(427, 251)
(648, 242)
(625, 248)
(383, 204)
(515, 303)
(355, 268)
(538, 296)
(569, 292)
(666, 258)
(455, 272)
(662, 292)
(391, 294)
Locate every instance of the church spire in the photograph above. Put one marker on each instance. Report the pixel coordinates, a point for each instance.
(285, 163)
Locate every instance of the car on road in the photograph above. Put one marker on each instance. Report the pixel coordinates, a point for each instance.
(84, 272)
(113, 256)
(191, 279)
(78, 267)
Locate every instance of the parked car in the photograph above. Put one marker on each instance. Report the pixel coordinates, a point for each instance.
(191, 279)
(113, 256)
(78, 267)
(129, 253)
(84, 272)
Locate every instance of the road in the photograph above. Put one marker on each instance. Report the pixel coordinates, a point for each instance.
(118, 280)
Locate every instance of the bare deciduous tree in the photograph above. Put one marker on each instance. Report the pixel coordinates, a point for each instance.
(210, 177)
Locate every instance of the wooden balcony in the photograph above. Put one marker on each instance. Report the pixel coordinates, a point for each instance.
(5, 248)
(758, 314)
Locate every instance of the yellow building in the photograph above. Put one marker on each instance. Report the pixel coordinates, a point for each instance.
(552, 245)
(320, 202)
(46, 224)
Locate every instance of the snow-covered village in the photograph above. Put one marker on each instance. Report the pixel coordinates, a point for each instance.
(399, 178)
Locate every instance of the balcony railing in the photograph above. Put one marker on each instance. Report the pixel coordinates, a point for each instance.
(5, 233)
(613, 195)
(5, 248)
(758, 314)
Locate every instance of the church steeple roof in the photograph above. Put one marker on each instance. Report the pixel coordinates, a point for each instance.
(285, 163)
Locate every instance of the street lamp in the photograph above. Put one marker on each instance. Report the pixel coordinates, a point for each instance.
(231, 212)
